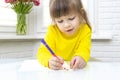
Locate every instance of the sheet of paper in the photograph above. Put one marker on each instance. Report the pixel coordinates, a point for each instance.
(34, 65)
(33, 68)
(31, 65)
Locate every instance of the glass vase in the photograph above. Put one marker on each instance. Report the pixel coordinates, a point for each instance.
(21, 24)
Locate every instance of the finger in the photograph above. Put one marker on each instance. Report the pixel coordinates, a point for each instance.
(82, 65)
(76, 65)
(72, 63)
(60, 57)
(54, 67)
(61, 60)
(56, 59)
(51, 66)
(55, 63)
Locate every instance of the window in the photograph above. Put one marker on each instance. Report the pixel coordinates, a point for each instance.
(7, 18)
(39, 19)
(88, 4)
(92, 8)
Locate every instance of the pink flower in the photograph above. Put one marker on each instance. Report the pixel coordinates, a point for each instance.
(36, 2)
(9, 1)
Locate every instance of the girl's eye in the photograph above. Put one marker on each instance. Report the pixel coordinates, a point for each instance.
(60, 21)
(71, 18)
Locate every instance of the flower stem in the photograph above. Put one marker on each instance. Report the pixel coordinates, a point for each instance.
(21, 24)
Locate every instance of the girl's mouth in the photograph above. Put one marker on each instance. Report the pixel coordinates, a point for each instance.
(69, 30)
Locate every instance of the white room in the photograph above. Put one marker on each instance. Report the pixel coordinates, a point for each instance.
(18, 51)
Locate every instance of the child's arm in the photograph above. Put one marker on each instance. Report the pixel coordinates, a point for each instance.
(83, 50)
(43, 55)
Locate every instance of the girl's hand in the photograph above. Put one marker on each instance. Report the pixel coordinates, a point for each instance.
(55, 63)
(77, 63)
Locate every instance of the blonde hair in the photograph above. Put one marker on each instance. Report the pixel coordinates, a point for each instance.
(60, 8)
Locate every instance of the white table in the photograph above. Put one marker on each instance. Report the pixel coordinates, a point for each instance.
(31, 70)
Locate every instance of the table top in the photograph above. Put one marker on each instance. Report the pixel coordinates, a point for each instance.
(30, 69)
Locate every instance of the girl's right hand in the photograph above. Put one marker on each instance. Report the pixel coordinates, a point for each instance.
(55, 63)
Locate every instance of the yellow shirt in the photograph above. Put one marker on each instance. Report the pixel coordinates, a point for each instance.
(67, 48)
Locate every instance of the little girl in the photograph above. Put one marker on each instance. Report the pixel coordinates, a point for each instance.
(69, 36)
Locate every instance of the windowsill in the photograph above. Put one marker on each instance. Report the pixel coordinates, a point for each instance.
(20, 37)
(37, 37)
(102, 36)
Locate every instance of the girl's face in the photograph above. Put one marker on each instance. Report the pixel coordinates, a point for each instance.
(68, 24)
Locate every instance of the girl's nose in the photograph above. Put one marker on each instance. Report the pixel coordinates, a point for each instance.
(66, 24)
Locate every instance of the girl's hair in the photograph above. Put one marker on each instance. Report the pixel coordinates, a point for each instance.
(60, 8)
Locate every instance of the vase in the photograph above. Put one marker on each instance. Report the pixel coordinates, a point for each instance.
(21, 24)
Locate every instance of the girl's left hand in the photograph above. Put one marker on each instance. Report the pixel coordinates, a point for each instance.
(77, 63)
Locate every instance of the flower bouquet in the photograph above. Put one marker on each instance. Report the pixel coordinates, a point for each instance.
(22, 7)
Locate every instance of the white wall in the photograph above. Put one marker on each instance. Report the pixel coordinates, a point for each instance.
(16, 49)
(108, 21)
